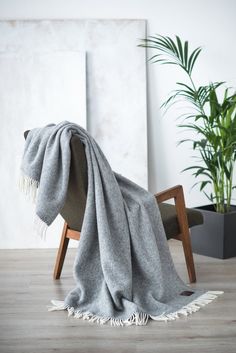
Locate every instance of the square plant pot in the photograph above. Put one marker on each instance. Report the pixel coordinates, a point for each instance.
(216, 237)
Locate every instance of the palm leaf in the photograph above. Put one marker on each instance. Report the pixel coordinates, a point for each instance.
(193, 57)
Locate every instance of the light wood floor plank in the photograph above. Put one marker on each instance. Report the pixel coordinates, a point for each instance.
(26, 287)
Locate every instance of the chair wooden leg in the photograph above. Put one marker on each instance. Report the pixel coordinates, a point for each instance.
(61, 253)
(188, 255)
(185, 236)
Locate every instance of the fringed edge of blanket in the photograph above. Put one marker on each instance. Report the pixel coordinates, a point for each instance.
(28, 186)
(138, 318)
(40, 227)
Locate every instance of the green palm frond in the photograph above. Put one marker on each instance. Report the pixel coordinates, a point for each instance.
(212, 119)
(172, 52)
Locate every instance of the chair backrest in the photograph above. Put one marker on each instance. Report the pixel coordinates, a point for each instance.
(74, 207)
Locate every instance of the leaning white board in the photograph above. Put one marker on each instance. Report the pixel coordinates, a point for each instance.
(115, 97)
(35, 89)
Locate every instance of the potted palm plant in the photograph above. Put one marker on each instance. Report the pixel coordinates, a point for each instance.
(213, 122)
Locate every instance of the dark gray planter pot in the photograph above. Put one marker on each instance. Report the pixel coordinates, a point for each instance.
(216, 237)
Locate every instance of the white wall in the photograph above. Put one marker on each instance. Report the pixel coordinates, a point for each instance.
(208, 23)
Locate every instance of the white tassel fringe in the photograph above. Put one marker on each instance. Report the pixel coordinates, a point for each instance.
(138, 318)
(28, 186)
(40, 227)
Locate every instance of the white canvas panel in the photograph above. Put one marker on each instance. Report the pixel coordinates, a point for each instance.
(115, 86)
(34, 90)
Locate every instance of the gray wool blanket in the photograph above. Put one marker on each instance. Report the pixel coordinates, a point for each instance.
(123, 269)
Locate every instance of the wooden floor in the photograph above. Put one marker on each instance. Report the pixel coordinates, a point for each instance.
(26, 287)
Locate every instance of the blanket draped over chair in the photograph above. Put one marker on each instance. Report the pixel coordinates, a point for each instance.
(123, 269)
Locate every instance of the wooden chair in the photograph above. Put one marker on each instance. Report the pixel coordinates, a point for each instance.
(177, 219)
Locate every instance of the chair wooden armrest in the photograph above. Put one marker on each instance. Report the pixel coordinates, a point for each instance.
(177, 193)
(169, 193)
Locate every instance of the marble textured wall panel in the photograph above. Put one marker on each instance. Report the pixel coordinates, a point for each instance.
(34, 90)
(116, 90)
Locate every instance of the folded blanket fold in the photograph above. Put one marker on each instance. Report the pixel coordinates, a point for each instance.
(123, 268)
